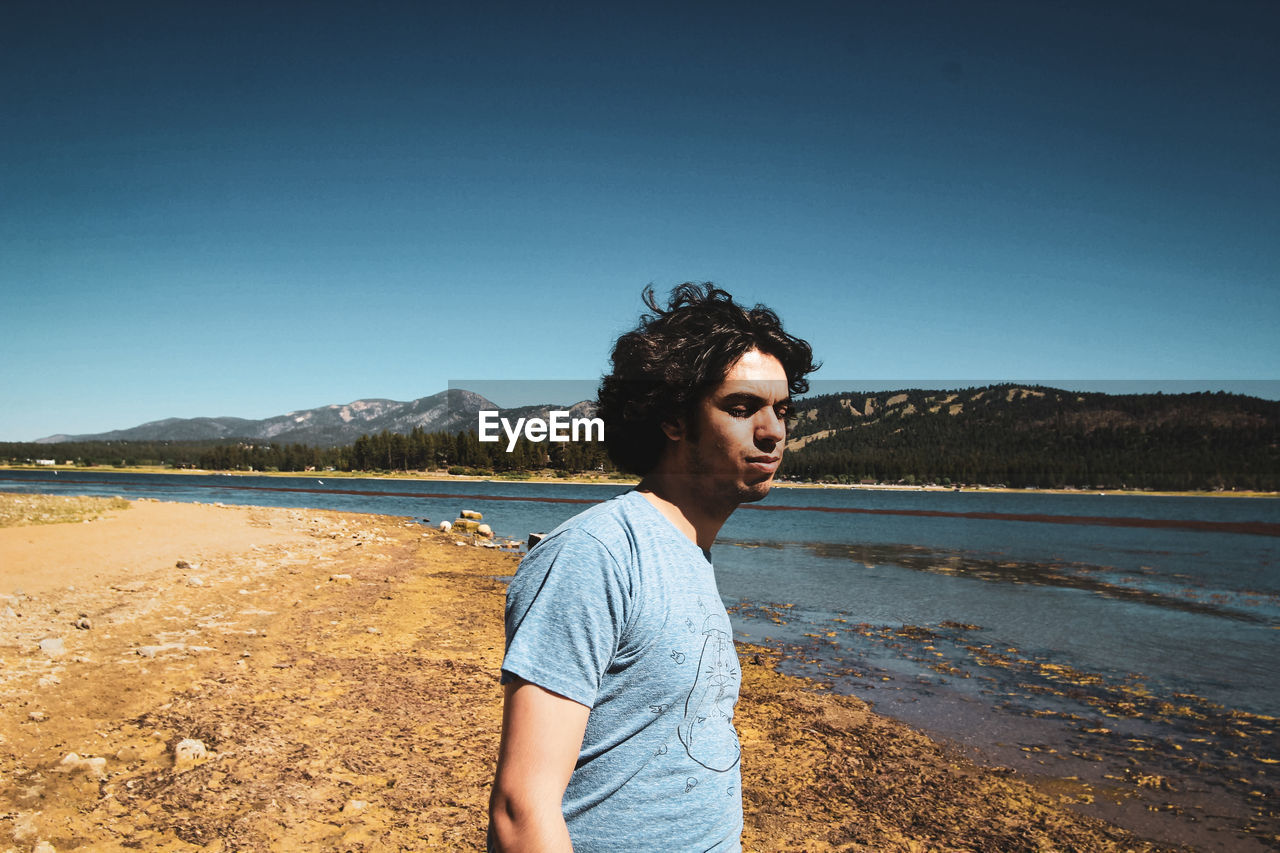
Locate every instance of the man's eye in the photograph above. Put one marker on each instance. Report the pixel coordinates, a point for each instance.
(740, 412)
(785, 412)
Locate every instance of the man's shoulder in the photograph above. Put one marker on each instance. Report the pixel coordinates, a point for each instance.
(609, 522)
(594, 545)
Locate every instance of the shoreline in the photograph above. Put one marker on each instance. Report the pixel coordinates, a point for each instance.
(435, 476)
(340, 671)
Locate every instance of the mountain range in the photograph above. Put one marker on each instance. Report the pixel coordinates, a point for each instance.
(1027, 435)
(325, 426)
(1037, 435)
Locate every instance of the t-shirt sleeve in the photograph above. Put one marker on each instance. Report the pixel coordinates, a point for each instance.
(565, 614)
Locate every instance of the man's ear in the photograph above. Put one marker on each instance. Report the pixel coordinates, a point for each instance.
(674, 430)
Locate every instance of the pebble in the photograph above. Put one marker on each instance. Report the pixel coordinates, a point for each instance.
(24, 828)
(45, 846)
(194, 581)
(37, 716)
(147, 651)
(354, 806)
(94, 768)
(340, 578)
(83, 623)
(53, 647)
(189, 752)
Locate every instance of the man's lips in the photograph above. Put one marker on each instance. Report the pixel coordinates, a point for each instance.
(764, 463)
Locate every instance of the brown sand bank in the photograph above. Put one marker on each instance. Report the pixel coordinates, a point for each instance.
(340, 671)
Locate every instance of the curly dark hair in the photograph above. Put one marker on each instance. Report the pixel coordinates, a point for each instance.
(675, 357)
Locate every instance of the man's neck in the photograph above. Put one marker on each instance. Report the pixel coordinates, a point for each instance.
(674, 496)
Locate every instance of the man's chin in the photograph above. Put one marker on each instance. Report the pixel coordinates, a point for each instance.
(752, 492)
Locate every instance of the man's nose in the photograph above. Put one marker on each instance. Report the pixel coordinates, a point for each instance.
(772, 428)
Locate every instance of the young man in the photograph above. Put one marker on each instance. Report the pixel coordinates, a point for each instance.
(620, 672)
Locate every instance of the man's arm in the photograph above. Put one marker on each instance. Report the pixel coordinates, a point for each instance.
(541, 736)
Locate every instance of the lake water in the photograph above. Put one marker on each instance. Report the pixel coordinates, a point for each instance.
(1130, 641)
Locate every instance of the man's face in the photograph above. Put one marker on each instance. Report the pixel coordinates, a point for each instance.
(736, 442)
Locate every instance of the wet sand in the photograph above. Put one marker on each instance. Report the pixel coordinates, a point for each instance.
(340, 674)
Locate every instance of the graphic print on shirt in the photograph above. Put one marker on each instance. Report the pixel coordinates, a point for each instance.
(707, 729)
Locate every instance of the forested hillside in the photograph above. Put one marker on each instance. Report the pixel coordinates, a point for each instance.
(461, 452)
(1038, 436)
(996, 435)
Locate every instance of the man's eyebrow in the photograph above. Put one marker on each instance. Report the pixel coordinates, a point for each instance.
(752, 397)
(741, 397)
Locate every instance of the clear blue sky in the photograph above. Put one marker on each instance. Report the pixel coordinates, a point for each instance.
(249, 208)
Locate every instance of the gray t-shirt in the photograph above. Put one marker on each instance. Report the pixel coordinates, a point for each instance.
(618, 610)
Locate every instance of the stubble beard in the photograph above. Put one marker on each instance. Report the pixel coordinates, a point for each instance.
(727, 495)
(752, 492)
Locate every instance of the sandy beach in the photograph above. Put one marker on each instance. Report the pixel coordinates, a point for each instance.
(194, 677)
